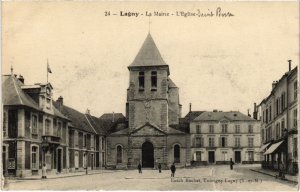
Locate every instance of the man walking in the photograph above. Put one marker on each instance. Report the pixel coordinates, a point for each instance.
(231, 164)
(173, 169)
(159, 168)
(140, 168)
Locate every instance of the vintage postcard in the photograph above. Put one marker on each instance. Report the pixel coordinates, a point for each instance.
(150, 96)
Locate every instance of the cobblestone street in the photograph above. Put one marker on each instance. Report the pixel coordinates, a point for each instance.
(218, 177)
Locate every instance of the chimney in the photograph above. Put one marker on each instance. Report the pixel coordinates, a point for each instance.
(60, 102)
(190, 107)
(87, 111)
(249, 113)
(21, 78)
(274, 84)
(290, 65)
(255, 111)
(215, 110)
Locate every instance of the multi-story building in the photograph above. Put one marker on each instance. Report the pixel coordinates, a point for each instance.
(38, 131)
(279, 123)
(217, 137)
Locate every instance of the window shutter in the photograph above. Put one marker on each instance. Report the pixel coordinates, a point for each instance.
(220, 141)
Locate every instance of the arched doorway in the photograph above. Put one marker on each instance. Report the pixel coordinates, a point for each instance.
(147, 155)
(176, 154)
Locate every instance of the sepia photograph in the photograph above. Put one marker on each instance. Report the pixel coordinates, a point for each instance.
(149, 96)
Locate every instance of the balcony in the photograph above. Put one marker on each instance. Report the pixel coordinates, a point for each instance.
(50, 139)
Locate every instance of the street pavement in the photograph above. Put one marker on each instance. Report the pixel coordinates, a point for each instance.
(216, 177)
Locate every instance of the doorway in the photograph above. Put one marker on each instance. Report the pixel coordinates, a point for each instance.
(237, 157)
(211, 157)
(92, 161)
(59, 157)
(147, 155)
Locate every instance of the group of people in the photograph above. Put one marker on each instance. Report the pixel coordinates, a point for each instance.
(173, 169)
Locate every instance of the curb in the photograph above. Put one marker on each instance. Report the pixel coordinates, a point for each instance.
(66, 176)
(295, 182)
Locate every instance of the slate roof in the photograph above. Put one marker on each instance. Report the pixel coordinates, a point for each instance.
(97, 124)
(191, 116)
(171, 83)
(78, 119)
(217, 116)
(12, 94)
(111, 116)
(148, 55)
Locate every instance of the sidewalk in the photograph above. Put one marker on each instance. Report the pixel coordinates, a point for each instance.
(290, 178)
(62, 175)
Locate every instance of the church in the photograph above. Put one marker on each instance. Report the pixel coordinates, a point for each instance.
(152, 131)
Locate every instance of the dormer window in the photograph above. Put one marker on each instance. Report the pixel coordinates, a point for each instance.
(154, 80)
(141, 81)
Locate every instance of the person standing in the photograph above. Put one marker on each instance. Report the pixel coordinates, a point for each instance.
(231, 164)
(140, 168)
(281, 170)
(44, 171)
(173, 169)
(159, 167)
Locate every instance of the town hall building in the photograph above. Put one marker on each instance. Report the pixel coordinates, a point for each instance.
(151, 134)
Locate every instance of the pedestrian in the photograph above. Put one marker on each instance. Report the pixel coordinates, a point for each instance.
(44, 171)
(231, 164)
(281, 170)
(159, 168)
(140, 168)
(173, 169)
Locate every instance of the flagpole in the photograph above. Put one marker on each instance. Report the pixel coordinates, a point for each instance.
(47, 70)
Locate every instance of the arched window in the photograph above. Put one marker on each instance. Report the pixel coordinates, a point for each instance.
(153, 80)
(177, 154)
(119, 154)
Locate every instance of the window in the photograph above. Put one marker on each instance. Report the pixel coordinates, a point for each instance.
(48, 104)
(141, 81)
(251, 155)
(282, 126)
(211, 142)
(153, 80)
(177, 154)
(283, 101)
(250, 141)
(237, 129)
(295, 118)
(224, 155)
(267, 116)
(295, 148)
(119, 154)
(198, 155)
(270, 113)
(76, 160)
(211, 129)
(47, 126)
(223, 141)
(199, 142)
(198, 129)
(34, 157)
(250, 128)
(58, 129)
(4, 124)
(84, 140)
(34, 124)
(277, 106)
(224, 128)
(264, 116)
(92, 141)
(237, 141)
(295, 90)
(277, 130)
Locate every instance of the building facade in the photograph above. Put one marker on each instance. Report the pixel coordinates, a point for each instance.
(217, 137)
(279, 124)
(37, 132)
(152, 134)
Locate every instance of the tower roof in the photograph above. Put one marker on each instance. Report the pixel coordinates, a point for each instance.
(148, 55)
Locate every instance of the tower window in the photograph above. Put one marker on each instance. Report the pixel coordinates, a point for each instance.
(141, 81)
(153, 80)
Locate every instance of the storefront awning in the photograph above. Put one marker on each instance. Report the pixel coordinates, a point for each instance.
(263, 147)
(273, 148)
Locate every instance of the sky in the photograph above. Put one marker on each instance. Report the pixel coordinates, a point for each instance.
(223, 63)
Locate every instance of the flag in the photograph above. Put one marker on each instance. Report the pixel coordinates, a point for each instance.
(48, 68)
